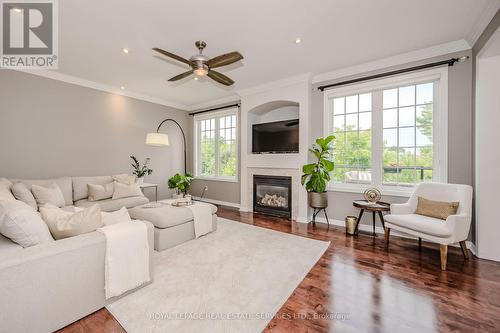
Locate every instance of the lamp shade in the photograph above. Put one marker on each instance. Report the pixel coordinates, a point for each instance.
(157, 139)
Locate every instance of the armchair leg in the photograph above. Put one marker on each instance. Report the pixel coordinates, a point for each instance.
(386, 237)
(463, 246)
(443, 249)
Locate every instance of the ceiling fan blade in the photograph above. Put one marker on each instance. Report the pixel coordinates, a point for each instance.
(224, 59)
(221, 78)
(171, 55)
(181, 76)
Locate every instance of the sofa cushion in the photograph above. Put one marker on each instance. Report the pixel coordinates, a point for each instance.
(8, 248)
(48, 195)
(110, 205)
(63, 224)
(438, 209)
(20, 223)
(420, 223)
(5, 189)
(64, 183)
(80, 188)
(23, 193)
(125, 190)
(100, 192)
(165, 216)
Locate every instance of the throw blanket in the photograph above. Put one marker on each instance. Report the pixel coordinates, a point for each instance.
(127, 257)
(202, 217)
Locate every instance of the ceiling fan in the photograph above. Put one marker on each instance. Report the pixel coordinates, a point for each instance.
(201, 65)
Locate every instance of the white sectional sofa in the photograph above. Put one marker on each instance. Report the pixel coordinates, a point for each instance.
(50, 285)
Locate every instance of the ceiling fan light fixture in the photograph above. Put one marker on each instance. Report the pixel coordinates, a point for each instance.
(201, 71)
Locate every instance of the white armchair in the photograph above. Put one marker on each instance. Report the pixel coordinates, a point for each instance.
(454, 230)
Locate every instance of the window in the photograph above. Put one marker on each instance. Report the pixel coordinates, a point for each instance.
(216, 145)
(390, 133)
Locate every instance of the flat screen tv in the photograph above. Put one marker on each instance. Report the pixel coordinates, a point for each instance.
(278, 137)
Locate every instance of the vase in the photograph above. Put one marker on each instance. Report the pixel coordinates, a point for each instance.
(318, 200)
(140, 181)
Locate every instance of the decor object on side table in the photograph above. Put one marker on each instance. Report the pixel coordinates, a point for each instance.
(350, 225)
(181, 183)
(161, 140)
(372, 195)
(317, 175)
(377, 207)
(141, 171)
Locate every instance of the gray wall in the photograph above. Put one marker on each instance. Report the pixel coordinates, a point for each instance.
(459, 137)
(50, 128)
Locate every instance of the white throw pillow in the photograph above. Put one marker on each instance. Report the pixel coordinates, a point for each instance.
(5, 189)
(23, 193)
(48, 195)
(100, 192)
(124, 179)
(64, 224)
(118, 216)
(22, 224)
(125, 191)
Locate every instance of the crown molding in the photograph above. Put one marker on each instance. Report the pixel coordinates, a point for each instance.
(214, 103)
(484, 19)
(401, 59)
(101, 87)
(302, 78)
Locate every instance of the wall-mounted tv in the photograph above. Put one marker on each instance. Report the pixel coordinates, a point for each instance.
(279, 137)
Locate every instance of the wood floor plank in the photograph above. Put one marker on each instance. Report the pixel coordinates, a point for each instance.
(359, 286)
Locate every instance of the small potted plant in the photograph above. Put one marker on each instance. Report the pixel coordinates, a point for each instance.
(140, 171)
(181, 184)
(317, 175)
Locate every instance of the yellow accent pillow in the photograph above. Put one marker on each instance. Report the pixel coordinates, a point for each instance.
(438, 209)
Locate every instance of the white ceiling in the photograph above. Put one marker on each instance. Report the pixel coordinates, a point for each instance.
(335, 34)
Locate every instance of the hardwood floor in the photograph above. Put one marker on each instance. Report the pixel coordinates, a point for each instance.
(358, 286)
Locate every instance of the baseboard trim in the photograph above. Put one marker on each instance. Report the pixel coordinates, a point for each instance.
(379, 230)
(218, 202)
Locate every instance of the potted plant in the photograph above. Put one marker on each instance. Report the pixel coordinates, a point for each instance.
(181, 184)
(141, 170)
(317, 175)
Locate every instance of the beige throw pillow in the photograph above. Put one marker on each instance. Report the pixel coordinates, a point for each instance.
(100, 192)
(48, 195)
(438, 209)
(5, 189)
(125, 191)
(63, 224)
(23, 193)
(124, 179)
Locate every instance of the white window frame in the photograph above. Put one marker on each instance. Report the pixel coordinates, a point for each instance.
(196, 144)
(376, 87)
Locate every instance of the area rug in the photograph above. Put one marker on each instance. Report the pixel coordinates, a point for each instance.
(233, 280)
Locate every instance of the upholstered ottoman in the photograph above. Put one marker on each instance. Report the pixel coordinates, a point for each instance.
(173, 225)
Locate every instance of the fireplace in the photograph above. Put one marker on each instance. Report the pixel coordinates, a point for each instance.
(272, 195)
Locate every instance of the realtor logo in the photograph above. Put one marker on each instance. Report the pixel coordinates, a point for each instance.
(29, 34)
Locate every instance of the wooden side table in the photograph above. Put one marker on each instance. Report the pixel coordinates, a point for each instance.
(149, 185)
(378, 207)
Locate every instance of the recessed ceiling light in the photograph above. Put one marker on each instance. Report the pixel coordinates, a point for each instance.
(122, 88)
(125, 50)
(298, 40)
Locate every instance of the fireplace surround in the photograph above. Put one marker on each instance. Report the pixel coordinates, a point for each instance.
(272, 195)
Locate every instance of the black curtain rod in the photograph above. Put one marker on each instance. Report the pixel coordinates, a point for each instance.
(449, 62)
(215, 109)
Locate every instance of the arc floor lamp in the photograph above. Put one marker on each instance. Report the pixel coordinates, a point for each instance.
(161, 140)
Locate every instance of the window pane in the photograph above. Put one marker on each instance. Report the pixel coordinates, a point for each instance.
(390, 137)
(424, 115)
(407, 176)
(351, 104)
(390, 98)
(338, 105)
(390, 118)
(339, 123)
(351, 122)
(365, 120)
(407, 137)
(407, 116)
(407, 96)
(425, 93)
(424, 136)
(406, 157)
(365, 102)
(390, 157)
